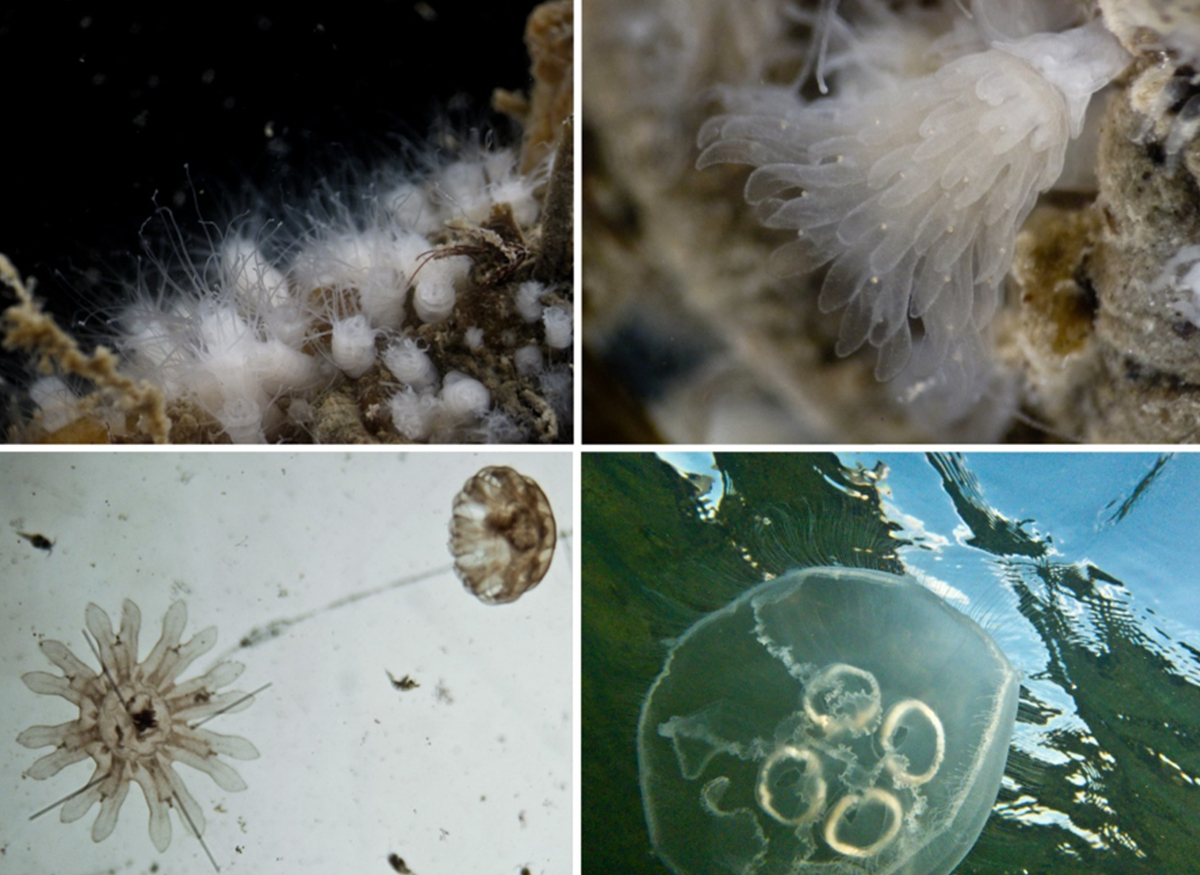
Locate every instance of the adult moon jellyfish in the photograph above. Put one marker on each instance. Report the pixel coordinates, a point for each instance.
(832, 720)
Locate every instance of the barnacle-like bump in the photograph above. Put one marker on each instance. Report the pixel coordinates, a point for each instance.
(136, 720)
(502, 534)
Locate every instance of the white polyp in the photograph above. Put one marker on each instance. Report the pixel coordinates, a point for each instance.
(242, 421)
(529, 300)
(331, 262)
(435, 283)
(912, 180)
(353, 345)
(382, 295)
(229, 366)
(507, 185)
(413, 413)
(55, 402)
(528, 360)
(557, 321)
(228, 348)
(1078, 63)
(461, 190)
(280, 368)
(434, 301)
(500, 166)
(151, 344)
(156, 349)
(258, 284)
(555, 384)
(496, 427)
(408, 251)
(464, 397)
(474, 337)
(517, 192)
(368, 263)
(300, 411)
(409, 206)
(287, 322)
(410, 364)
(221, 329)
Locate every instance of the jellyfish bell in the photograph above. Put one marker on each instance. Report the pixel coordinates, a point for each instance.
(502, 534)
(832, 720)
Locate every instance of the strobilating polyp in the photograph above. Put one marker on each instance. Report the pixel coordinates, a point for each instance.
(833, 720)
(137, 720)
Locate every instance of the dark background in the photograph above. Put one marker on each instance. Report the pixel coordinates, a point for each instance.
(107, 113)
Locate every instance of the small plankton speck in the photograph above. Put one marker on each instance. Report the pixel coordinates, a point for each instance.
(405, 683)
(41, 542)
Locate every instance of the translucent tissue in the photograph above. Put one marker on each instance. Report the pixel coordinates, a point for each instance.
(832, 720)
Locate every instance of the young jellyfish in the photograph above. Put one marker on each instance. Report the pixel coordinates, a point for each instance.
(136, 720)
(502, 534)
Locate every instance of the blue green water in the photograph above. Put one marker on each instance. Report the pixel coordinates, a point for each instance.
(1082, 566)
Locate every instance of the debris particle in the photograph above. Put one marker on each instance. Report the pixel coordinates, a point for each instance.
(398, 864)
(405, 683)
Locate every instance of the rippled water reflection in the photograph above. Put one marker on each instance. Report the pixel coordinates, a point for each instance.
(1081, 565)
